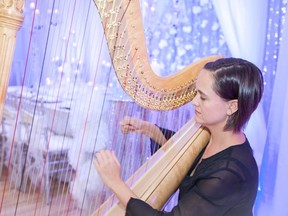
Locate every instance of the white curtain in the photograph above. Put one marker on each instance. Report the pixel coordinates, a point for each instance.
(244, 32)
(274, 177)
(244, 26)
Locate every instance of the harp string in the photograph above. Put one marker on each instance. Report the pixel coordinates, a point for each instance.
(54, 109)
(17, 114)
(119, 52)
(87, 115)
(86, 119)
(114, 19)
(89, 106)
(106, 89)
(107, 28)
(102, 107)
(57, 99)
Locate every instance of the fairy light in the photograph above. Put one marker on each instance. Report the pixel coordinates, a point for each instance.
(183, 33)
(276, 19)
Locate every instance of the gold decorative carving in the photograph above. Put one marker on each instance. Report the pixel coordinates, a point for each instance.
(12, 6)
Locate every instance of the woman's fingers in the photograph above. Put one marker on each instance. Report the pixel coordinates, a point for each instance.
(125, 125)
(106, 160)
(130, 124)
(108, 167)
(115, 158)
(127, 128)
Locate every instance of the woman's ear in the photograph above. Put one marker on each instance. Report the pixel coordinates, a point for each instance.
(233, 107)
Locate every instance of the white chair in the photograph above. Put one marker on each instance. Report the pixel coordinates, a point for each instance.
(45, 151)
(11, 143)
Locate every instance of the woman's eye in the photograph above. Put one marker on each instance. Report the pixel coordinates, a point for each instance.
(202, 98)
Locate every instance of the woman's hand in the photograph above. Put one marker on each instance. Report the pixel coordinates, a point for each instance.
(132, 124)
(108, 168)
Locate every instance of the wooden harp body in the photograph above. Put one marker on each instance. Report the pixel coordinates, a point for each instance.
(161, 175)
(157, 179)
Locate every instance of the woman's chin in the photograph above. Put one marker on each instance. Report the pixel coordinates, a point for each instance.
(198, 120)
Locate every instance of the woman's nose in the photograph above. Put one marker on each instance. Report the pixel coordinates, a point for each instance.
(195, 100)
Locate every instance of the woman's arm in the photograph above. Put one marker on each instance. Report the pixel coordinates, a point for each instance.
(132, 124)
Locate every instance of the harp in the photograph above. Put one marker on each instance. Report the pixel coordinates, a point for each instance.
(123, 29)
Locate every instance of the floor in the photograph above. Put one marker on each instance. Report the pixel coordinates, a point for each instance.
(32, 202)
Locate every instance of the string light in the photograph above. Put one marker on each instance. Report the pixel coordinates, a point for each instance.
(276, 19)
(185, 32)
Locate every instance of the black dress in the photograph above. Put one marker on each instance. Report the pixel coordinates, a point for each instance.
(223, 184)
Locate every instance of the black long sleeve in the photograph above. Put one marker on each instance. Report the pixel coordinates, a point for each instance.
(223, 184)
(167, 134)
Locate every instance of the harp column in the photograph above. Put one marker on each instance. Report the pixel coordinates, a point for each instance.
(11, 18)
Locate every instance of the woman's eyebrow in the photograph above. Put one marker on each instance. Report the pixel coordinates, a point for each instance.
(200, 92)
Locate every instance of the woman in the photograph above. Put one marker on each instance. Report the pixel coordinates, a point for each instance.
(224, 178)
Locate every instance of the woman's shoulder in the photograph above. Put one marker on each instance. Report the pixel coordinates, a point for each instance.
(236, 158)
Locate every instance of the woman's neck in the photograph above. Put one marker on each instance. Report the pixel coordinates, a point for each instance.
(221, 140)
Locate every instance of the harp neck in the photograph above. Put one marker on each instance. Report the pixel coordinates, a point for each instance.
(124, 32)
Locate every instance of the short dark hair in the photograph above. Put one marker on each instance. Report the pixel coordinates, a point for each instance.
(236, 78)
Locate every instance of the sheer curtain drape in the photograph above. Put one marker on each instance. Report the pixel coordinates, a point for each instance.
(273, 197)
(72, 45)
(244, 33)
